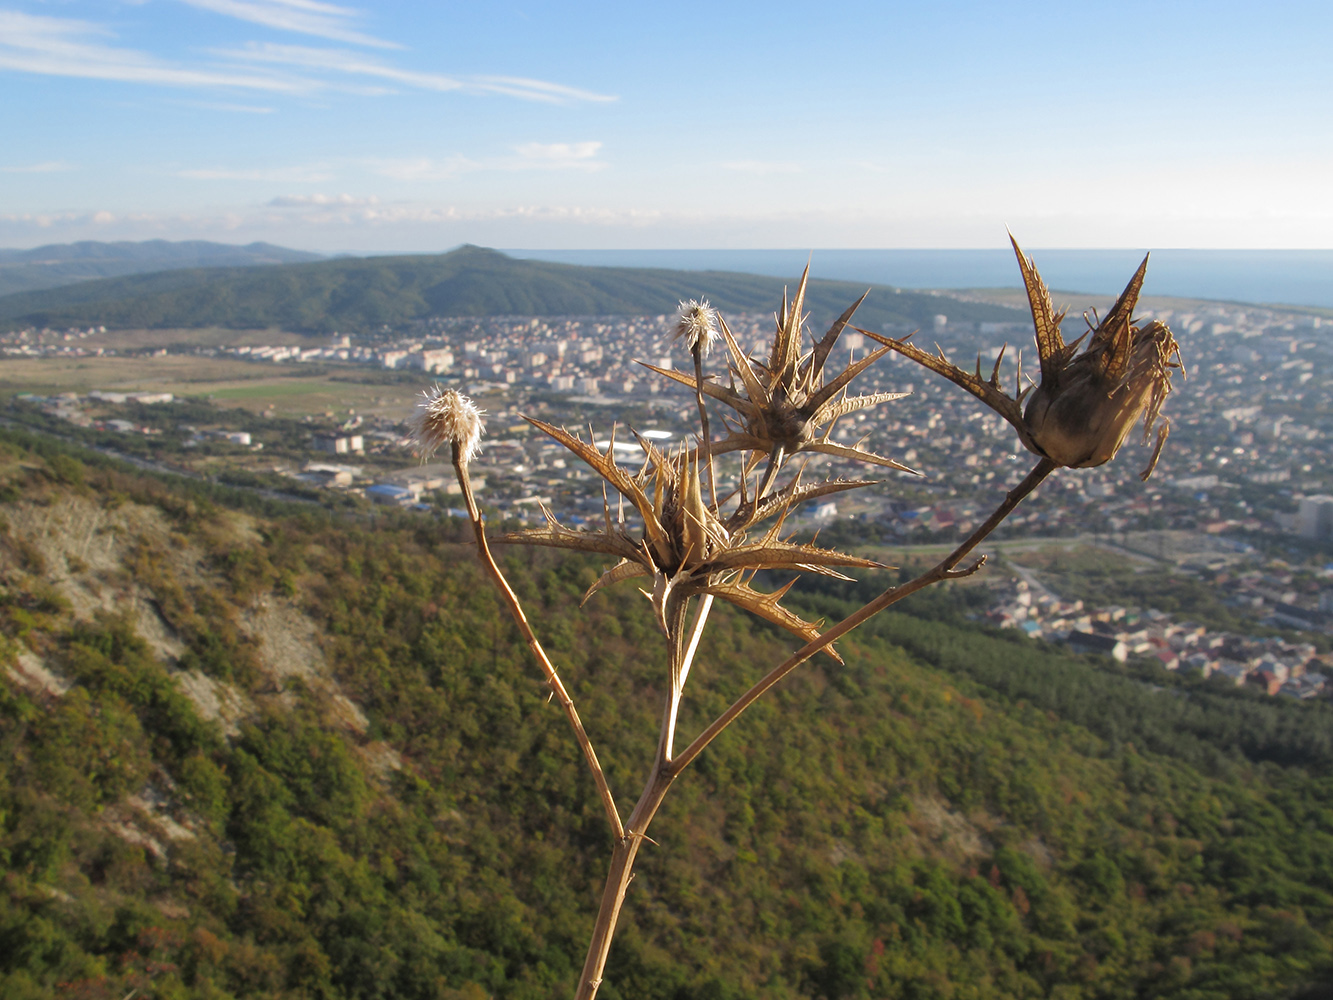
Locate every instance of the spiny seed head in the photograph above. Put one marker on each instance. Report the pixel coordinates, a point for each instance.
(696, 324)
(446, 416)
(1085, 417)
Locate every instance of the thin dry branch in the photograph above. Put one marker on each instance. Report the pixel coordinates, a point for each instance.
(552, 678)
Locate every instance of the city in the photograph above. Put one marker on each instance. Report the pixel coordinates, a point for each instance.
(1244, 477)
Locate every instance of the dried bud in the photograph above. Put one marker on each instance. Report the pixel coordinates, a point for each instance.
(446, 416)
(696, 324)
(1082, 411)
(1085, 417)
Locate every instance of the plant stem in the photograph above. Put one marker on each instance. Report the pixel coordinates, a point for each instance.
(627, 848)
(703, 419)
(552, 678)
(675, 620)
(666, 770)
(696, 633)
(942, 571)
(775, 460)
(618, 878)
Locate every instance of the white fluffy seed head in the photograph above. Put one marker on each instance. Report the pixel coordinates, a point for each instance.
(446, 416)
(696, 324)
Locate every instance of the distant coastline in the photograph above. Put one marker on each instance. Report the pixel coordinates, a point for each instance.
(1279, 277)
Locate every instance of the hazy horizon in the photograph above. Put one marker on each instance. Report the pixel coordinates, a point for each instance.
(1300, 278)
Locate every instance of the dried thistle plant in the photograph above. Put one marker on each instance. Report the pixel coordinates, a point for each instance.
(1083, 408)
(696, 549)
(787, 407)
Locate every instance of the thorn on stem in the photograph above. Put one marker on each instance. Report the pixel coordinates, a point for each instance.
(957, 574)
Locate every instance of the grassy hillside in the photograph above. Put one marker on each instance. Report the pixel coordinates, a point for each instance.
(292, 755)
(360, 294)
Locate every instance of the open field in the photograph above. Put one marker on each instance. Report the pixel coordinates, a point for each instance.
(226, 382)
(209, 336)
(134, 339)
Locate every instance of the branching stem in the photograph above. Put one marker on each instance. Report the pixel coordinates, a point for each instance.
(942, 571)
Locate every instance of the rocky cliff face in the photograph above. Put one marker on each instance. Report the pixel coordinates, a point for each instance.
(86, 560)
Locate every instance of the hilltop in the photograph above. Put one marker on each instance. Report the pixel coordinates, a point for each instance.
(366, 294)
(249, 750)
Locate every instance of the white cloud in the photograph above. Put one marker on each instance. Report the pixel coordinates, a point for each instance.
(305, 17)
(246, 109)
(49, 167)
(423, 168)
(51, 46)
(279, 175)
(536, 90)
(359, 64)
(762, 167)
(561, 155)
(528, 156)
(322, 201)
(335, 222)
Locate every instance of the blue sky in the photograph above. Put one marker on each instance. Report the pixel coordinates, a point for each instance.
(416, 126)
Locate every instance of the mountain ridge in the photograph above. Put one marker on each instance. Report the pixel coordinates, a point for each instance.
(367, 293)
(57, 264)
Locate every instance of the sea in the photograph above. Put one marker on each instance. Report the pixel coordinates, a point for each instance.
(1270, 277)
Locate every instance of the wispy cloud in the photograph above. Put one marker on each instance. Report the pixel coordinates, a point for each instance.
(337, 210)
(359, 64)
(762, 167)
(323, 201)
(52, 46)
(423, 168)
(50, 167)
(526, 156)
(243, 109)
(306, 17)
(278, 175)
(560, 155)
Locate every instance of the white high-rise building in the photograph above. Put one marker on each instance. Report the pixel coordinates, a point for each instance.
(1314, 519)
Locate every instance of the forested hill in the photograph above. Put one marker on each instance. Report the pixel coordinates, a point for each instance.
(360, 294)
(254, 752)
(67, 263)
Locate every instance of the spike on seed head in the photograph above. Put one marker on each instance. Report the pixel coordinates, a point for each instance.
(446, 416)
(696, 324)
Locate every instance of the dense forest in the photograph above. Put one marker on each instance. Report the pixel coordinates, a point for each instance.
(256, 750)
(363, 294)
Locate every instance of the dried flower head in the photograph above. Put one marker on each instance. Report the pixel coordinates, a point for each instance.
(1083, 409)
(787, 407)
(696, 324)
(684, 546)
(446, 416)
